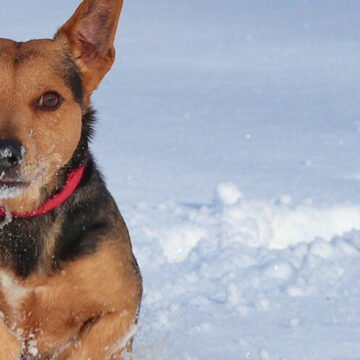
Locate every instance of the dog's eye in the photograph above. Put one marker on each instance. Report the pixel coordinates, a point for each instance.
(50, 101)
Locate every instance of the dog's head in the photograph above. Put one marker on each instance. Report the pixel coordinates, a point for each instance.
(45, 90)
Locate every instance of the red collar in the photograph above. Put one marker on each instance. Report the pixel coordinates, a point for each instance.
(71, 185)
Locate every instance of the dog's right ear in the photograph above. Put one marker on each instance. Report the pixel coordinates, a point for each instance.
(89, 37)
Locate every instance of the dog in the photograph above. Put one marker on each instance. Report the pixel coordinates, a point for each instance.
(70, 286)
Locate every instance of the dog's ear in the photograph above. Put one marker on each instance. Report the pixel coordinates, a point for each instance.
(89, 36)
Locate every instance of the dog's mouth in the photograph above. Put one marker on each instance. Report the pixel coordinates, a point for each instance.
(12, 184)
(10, 189)
(16, 183)
(16, 179)
(12, 181)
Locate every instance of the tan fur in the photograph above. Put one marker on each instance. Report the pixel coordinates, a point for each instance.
(10, 346)
(45, 264)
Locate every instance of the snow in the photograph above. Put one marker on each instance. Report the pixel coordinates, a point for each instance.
(235, 282)
(8, 216)
(10, 192)
(229, 134)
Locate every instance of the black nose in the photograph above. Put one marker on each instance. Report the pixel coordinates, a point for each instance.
(11, 153)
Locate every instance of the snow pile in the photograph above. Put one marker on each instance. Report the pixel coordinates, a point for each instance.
(231, 218)
(214, 266)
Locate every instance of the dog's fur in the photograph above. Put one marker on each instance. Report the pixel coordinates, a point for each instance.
(70, 287)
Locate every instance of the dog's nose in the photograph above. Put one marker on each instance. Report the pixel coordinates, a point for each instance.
(11, 153)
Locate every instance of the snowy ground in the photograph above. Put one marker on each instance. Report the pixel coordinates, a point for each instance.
(229, 133)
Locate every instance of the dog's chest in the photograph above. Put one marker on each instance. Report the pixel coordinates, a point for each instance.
(33, 313)
(21, 246)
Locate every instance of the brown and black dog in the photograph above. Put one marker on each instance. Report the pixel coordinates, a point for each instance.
(70, 287)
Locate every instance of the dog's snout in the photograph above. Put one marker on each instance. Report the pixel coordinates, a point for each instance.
(11, 153)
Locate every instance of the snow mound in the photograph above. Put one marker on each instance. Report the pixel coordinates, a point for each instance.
(240, 259)
(231, 218)
(227, 193)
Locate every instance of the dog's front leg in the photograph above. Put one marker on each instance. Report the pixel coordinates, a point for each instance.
(105, 339)
(10, 346)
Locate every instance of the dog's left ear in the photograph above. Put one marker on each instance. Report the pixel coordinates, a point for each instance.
(89, 36)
